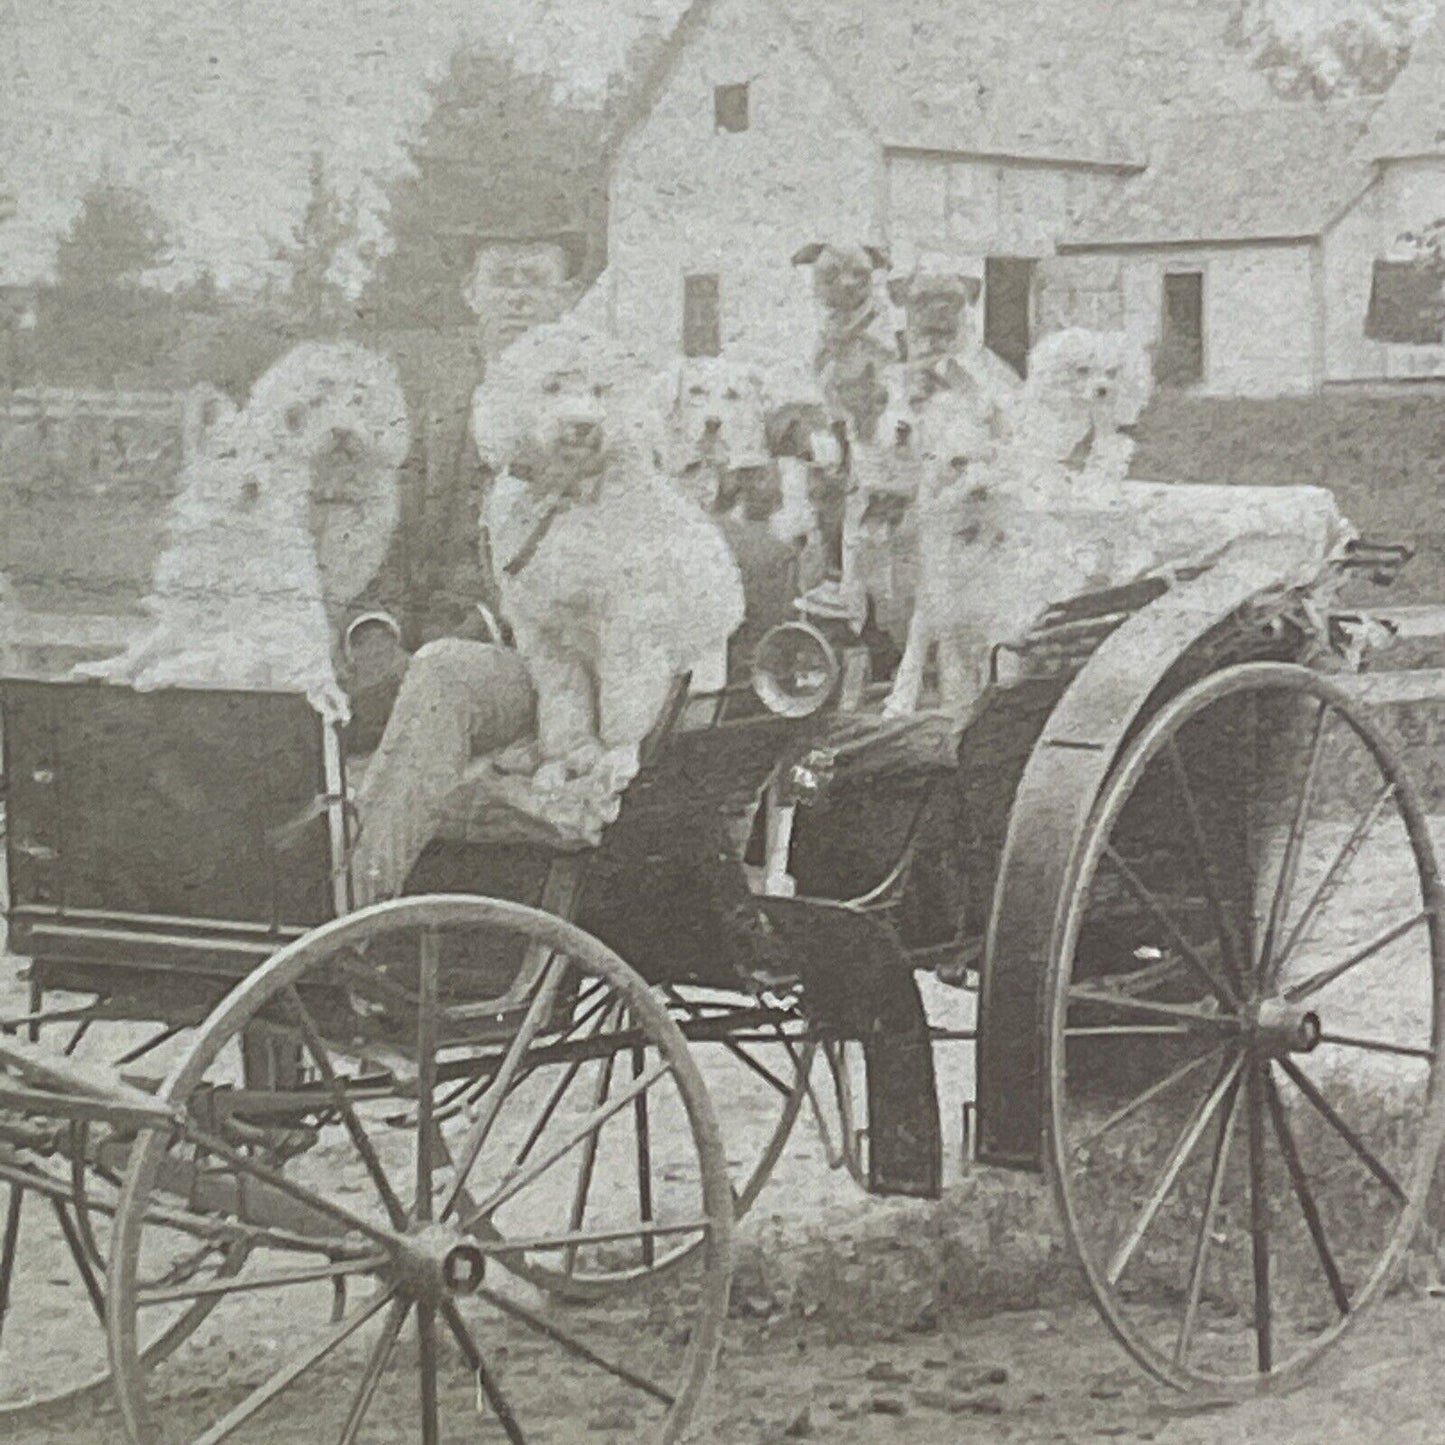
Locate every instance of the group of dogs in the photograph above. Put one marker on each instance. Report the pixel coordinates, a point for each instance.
(901, 447)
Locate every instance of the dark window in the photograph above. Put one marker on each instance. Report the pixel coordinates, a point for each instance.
(1180, 359)
(1008, 285)
(730, 107)
(701, 316)
(1406, 306)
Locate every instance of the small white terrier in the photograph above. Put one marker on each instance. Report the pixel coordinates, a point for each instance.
(998, 542)
(238, 597)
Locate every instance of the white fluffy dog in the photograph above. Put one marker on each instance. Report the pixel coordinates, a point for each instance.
(1071, 421)
(999, 542)
(238, 598)
(614, 583)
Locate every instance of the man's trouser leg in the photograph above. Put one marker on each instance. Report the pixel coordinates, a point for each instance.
(458, 700)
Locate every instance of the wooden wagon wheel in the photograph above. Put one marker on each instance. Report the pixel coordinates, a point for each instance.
(756, 1059)
(60, 1177)
(446, 1151)
(1245, 1033)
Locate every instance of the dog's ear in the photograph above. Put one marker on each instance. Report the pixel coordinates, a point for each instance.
(972, 290)
(899, 288)
(807, 255)
(878, 256)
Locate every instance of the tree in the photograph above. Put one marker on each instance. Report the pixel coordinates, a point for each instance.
(325, 236)
(500, 153)
(115, 238)
(1328, 48)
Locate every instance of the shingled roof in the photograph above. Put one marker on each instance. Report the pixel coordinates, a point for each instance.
(1287, 171)
(1034, 79)
(1085, 81)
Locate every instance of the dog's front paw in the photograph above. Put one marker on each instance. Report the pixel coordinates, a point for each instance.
(520, 758)
(898, 705)
(583, 759)
(331, 702)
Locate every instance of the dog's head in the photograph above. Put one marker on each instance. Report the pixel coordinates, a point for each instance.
(330, 399)
(562, 406)
(843, 276)
(718, 418)
(935, 297)
(1082, 382)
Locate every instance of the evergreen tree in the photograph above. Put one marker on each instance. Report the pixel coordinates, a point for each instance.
(314, 298)
(113, 240)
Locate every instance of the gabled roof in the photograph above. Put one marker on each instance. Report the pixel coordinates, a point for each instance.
(1083, 81)
(1285, 172)
(1411, 118)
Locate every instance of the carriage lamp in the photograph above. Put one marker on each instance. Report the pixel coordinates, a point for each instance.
(795, 670)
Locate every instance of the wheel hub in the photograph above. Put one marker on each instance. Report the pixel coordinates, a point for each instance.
(437, 1262)
(1277, 1027)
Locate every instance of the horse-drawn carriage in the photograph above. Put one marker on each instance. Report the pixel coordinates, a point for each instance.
(1191, 885)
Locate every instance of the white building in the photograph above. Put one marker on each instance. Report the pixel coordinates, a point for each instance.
(978, 128)
(1109, 162)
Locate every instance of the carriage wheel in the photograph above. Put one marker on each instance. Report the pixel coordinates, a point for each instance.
(446, 1150)
(756, 1059)
(1245, 1037)
(59, 1189)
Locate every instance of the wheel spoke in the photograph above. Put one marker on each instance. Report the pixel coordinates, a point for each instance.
(1200, 1262)
(573, 1345)
(486, 1383)
(380, 1358)
(76, 1246)
(1217, 986)
(1184, 1146)
(589, 1125)
(1301, 1186)
(1259, 1222)
(1378, 1046)
(644, 1158)
(284, 1378)
(1307, 1087)
(8, 1249)
(761, 1070)
(1289, 863)
(426, 1333)
(1161, 1086)
(336, 1090)
(536, 1244)
(490, 1103)
(217, 1288)
(1229, 943)
(588, 1162)
(1183, 1013)
(244, 1164)
(150, 1044)
(1308, 987)
(1349, 851)
(558, 1093)
(426, 1063)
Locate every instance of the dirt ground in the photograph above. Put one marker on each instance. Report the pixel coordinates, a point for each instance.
(866, 1358)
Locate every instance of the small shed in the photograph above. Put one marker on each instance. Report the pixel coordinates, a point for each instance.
(1216, 256)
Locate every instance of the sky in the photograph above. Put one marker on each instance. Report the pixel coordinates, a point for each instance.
(213, 107)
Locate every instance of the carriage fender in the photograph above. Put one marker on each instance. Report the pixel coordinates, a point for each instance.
(1051, 810)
